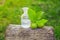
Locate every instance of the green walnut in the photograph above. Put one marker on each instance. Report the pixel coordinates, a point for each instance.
(33, 25)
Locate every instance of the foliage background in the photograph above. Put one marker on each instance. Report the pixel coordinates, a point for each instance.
(11, 11)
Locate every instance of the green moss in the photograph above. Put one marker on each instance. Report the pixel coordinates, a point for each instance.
(2, 36)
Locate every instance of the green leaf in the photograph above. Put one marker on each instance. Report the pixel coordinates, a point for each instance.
(39, 15)
(32, 15)
(41, 23)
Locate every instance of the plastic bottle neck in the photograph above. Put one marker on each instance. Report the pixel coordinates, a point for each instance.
(25, 10)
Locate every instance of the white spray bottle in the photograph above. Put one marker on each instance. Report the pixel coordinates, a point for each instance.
(25, 22)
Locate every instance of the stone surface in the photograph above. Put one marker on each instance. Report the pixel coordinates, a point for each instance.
(15, 32)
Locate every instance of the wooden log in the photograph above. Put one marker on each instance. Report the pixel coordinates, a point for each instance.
(15, 32)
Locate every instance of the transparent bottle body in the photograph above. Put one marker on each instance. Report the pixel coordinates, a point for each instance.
(25, 22)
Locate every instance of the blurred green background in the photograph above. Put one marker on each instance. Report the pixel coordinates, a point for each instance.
(11, 11)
